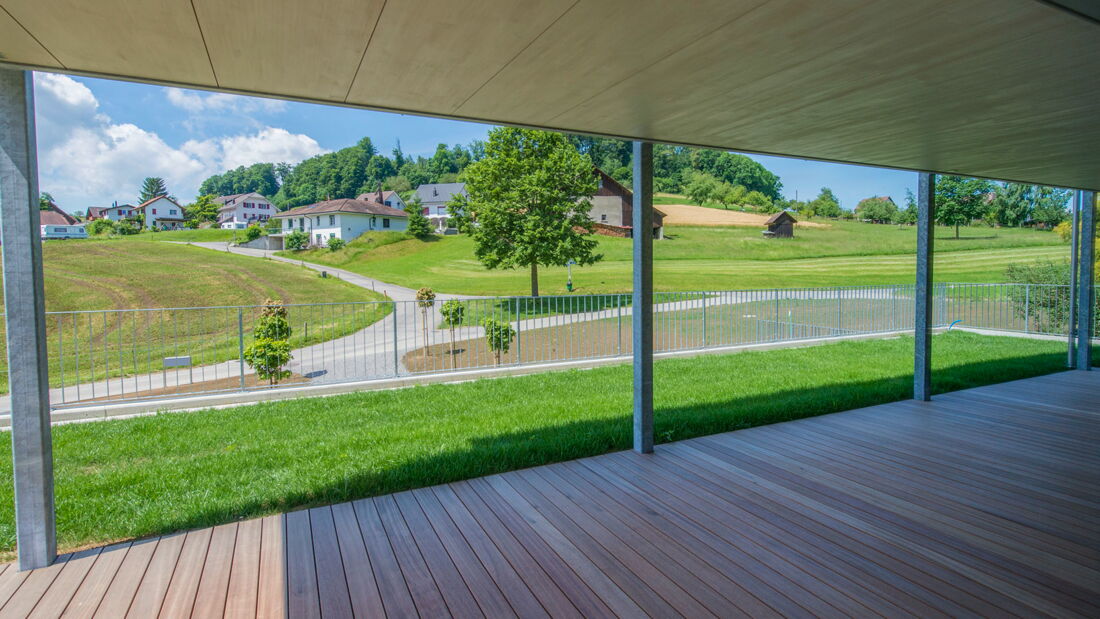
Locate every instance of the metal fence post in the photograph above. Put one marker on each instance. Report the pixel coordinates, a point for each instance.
(778, 333)
(619, 347)
(1027, 308)
(396, 363)
(519, 346)
(704, 320)
(240, 343)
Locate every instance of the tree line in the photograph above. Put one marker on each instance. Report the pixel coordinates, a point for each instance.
(361, 168)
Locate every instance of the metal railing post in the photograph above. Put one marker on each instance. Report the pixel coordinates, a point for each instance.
(519, 349)
(240, 343)
(704, 320)
(619, 347)
(396, 363)
(1027, 308)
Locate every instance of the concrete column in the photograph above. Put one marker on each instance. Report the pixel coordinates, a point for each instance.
(1071, 315)
(25, 314)
(1086, 294)
(922, 327)
(642, 311)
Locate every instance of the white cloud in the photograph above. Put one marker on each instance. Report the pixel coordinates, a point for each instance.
(194, 101)
(86, 159)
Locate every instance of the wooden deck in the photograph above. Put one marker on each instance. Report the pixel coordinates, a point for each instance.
(984, 502)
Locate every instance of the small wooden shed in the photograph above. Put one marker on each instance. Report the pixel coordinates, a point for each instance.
(780, 226)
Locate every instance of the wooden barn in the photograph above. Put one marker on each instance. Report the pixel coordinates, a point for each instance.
(780, 226)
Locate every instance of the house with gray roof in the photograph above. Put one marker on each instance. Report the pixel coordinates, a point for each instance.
(434, 198)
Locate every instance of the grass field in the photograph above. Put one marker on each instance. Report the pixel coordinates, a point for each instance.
(710, 258)
(142, 476)
(121, 274)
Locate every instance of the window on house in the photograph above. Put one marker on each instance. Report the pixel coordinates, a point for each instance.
(154, 211)
(172, 211)
(289, 224)
(332, 220)
(385, 223)
(331, 235)
(318, 220)
(603, 217)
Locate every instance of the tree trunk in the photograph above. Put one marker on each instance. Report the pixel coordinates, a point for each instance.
(956, 231)
(534, 279)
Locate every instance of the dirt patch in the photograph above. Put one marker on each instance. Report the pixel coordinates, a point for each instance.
(251, 381)
(688, 215)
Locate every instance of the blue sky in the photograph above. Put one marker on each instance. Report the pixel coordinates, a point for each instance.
(98, 139)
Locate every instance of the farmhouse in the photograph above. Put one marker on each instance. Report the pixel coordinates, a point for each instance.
(241, 210)
(115, 212)
(613, 208)
(342, 219)
(161, 213)
(433, 201)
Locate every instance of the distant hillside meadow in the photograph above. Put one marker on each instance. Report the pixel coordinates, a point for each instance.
(709, 258)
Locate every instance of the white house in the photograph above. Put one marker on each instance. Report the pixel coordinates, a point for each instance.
(389, 198)
(241, 210)
(161, 213)
(433, 201)
(342, 219)
(116, 212)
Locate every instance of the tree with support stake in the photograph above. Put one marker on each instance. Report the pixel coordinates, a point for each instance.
(499, 336)
(425, 299)
(453, 312)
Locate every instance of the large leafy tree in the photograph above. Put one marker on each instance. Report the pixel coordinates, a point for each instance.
(960, 200)
(152, 187)
(877, 209)
(529, 199)
(203, 209)
(44, 201)
(825, 204)
(1049, 205)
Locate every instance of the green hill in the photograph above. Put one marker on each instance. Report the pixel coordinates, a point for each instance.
(709, 258)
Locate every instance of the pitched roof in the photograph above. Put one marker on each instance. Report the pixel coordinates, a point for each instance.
(152, 200)
(345, 205)
(371, 195)
(54, 216)
(779, 216)
(439, 192)
(233, 198)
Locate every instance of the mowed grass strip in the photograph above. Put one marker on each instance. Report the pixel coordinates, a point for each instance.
(709, 258)
(150, 475)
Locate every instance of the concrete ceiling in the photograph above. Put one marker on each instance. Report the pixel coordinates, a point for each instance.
(1004, 89)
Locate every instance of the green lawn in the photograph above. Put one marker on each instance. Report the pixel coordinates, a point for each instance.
(710, 258)
(142, 476)
(124, 273)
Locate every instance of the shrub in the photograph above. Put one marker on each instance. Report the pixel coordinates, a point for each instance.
(499, 336)
(296, 240)
(1065, 231)
(100, 226)
(270, 349)
(126, 228)
(336, 243)
(425, 298)
(253, 232)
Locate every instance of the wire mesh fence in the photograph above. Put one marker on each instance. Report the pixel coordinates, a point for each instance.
(106, 355)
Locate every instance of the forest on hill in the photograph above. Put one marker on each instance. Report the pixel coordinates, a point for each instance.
(356, 169)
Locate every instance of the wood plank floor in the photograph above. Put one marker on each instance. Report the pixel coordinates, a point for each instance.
(984, 502)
